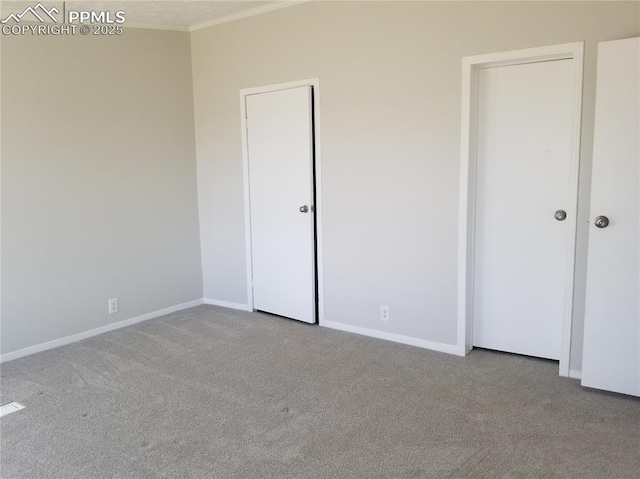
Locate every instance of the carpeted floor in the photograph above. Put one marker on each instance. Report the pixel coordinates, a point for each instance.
(215, 393)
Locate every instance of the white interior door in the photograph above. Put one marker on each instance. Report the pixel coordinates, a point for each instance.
(611, 354)
(280, 151)
(524, 150)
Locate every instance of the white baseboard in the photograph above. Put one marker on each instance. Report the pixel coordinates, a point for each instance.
(575, 374)
(20, 353)
(397, 338)
(227, 304)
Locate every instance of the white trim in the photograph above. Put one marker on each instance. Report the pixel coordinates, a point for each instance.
(247, 202)
(315, 83)
(94, 332)
(247, 13)
(396, 338)
(227, 304)
(565, 358)
(466, 238)
(575, 374)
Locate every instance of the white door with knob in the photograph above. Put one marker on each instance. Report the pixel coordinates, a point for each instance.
(611, 351)
(524, 206)
(281, 195)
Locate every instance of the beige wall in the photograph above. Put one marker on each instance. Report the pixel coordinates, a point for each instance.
(99, 173)
(390, 76)
(98, 181)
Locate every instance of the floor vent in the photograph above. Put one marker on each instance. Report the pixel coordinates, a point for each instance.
(9, 408)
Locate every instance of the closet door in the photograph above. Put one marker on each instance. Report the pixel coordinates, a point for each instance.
(525, 138)
(611, 358)
(281, 189)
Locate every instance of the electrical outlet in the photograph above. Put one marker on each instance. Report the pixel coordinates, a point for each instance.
(384, 313)
(113, 306)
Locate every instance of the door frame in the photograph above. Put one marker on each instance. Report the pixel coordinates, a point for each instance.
(315, 84)
(468, 182)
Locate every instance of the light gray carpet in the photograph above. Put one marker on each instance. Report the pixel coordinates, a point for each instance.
(214, 393)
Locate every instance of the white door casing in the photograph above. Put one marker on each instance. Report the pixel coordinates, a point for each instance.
(571, 54)
(281, 195)
(611, 350)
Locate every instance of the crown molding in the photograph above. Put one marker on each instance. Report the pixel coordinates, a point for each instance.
(247, 13)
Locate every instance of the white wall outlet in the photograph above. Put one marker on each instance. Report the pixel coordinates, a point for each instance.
(384, 313)
(113, 306)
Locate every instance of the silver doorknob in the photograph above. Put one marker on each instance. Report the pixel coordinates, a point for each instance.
(601, 221)
(560, 215)
(304, 209)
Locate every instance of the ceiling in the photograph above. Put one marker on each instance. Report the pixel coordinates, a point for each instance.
(161, 14)
(184, 15)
